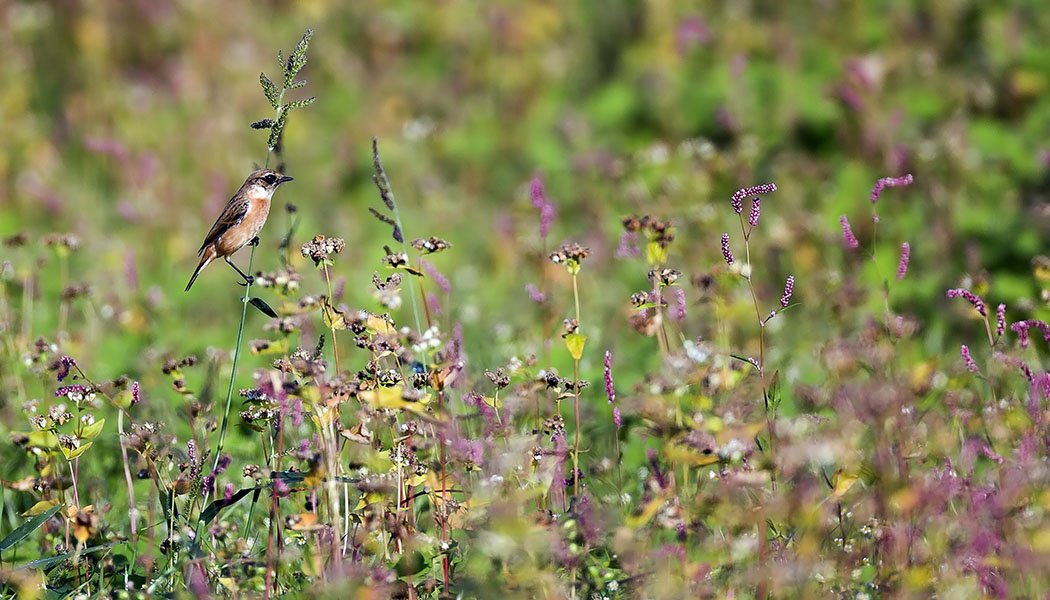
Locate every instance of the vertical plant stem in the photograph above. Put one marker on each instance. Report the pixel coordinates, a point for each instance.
(236, 359)
(127, 477)
(576, 397)
(335, 342)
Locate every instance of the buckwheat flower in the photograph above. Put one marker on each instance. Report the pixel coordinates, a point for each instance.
(739, 195)
(616, 417)
(726, 253)
(1000, 319)
(789, 288)
(610, 391)
(969, 297)
(964, 350)
(847, 234)
(756, 210)
(902, 266)
(886, 182)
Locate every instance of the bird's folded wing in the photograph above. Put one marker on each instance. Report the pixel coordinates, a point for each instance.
(233, 214)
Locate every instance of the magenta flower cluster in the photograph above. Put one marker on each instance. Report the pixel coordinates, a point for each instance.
(756, 211)
(964, 350)
(886, 182)
(610, 391)
(969, 297)
(739, 195)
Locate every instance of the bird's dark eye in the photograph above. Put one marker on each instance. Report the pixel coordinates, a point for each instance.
(270, 178)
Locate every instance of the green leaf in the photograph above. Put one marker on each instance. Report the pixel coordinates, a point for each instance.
(40, 507)
(574, 342)
(213, 509)
(270, 89)
(92, 431)
(410, 564)
(27, 528)
(263, 307)
(46, 563)
(75, 452)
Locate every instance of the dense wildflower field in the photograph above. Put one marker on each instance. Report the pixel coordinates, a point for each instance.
(586, 300)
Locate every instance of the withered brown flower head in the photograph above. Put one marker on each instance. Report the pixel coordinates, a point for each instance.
(68, 241)
(395, 259)
(664, 276)
(430, 245)
(320, 248)
(569, 327)
(569, 252)
(500, 378)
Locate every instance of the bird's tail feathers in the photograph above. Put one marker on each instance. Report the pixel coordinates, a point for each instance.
(208, 256)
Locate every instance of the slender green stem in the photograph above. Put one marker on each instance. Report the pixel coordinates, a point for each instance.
(236, 359)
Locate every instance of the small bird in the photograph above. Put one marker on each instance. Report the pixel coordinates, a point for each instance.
(240, 221)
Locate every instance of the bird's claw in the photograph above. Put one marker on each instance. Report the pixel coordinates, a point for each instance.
(247, 281)
(254, 241)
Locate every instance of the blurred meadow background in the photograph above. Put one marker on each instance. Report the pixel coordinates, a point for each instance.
(126, 125)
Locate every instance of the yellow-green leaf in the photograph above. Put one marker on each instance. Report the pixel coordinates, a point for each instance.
(71, 454)
(843, 482)
(92, 430)
(656, 253)
(40, 508)
(574, 342)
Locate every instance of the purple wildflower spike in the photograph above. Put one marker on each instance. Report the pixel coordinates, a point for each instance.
(789, 288)
(739, 195)
(970, 297)
(540, 202)
(726, 253)
(1000, 319)
(886, 182)
(616, 417)
(847, 234)
(610, 391)
(437, 276)
(135, 393)
(964, 350)
(63, 368)
(902, 267)
(756, 211)
(535, 294)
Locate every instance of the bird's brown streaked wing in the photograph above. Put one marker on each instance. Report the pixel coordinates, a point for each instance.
(234, 212)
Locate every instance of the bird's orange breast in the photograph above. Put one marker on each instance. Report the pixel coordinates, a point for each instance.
(237, 236)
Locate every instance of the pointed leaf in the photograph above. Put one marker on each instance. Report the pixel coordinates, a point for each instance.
(27, 528)
(40, 508)
(75, 452)
(263, 307)
(92, 430)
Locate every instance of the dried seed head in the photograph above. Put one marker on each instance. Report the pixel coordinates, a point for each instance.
(320, 248)
(430, 245)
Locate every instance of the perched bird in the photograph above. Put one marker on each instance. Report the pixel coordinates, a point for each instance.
(240, 221)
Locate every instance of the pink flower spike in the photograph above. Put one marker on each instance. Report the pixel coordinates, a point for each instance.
(756, 211)
(902, 267)
(726, 253)
(616, 417)
(847, 234)
(964, 350)
(739, 195)
(610, 391)
(1000, 319)
(886, 182)
(789, 288)
(969, 297)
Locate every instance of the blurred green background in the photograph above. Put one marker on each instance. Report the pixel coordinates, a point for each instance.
(126, 123)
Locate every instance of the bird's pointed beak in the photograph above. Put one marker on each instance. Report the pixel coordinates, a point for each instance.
(284, 179)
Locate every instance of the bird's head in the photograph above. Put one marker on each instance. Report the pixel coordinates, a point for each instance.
(264, 182)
